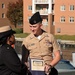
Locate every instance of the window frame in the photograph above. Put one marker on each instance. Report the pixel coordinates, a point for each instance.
(62, 7)
(3, 5)
(72, 7)
(30, 7)
(3, 15)
(62, 19)
(71, 19)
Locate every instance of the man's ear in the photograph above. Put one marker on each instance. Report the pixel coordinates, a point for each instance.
(40, 25)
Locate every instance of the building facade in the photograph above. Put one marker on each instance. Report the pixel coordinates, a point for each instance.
(58, 16)
(3, 10)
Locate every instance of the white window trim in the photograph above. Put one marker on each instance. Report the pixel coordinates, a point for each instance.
(29, 7)
(73, 8)
(3, 5)
(3, 15)
(71, 19)
(62, 17)
(62, 8)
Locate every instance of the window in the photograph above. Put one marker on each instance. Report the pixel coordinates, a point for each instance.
(29, 7)
(29, 17)
(58, 30)
(3, 15)
(71, 19)
(3, 5)
(71, 7)
(62, 8)
(62, 19)
(53, 23)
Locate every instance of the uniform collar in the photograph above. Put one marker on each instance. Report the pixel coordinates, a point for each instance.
(42, 35)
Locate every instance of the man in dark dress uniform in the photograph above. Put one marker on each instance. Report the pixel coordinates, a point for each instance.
(10, 63)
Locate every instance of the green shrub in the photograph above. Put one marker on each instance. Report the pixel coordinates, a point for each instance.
(21, 35)
(18, 30)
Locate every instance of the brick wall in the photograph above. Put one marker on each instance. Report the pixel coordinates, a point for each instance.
(67, 54)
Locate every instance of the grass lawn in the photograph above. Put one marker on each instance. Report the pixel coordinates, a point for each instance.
(62, 37)
(65, 37)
